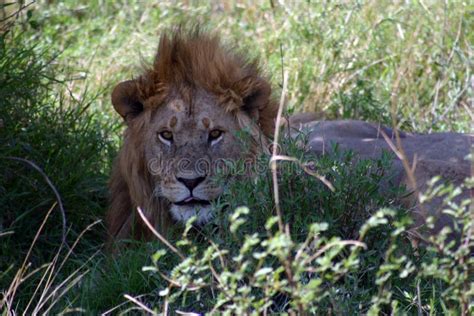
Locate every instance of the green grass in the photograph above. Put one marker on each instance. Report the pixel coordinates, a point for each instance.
(341, 58)
(348, 60)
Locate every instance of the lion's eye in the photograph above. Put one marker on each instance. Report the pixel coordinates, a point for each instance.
(166, 137)
(215, 135)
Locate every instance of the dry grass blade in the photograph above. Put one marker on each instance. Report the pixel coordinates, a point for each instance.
(66, 289)
(10, 232)
(47, 276)
(186, 313)
(46, 294)
(17, 280)
(140, 304)
(109, 311)
(305, 169)
(274, 164)
(4, 23)
(398, 149)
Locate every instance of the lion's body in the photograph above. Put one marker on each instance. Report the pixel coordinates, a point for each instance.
(438, 154)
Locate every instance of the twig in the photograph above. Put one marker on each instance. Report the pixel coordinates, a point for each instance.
(286, 262)
(158, 235)
(137, 302)
(399, 151)
(275, 153)
(418, 298)
(55, 191)
(335, 243)
(10, 232)
(186, 313)
(305, 169)
(166, 304)
(107, 312)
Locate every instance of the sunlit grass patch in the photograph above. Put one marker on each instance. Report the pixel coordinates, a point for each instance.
(336, 54)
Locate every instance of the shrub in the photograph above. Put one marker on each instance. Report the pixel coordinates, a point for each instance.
(246, 265)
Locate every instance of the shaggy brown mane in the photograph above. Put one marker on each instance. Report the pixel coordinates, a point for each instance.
(193, 59)
(186, 62)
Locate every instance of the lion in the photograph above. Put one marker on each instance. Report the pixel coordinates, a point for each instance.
(183, 115)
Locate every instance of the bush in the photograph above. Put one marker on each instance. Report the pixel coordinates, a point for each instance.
(246, 265)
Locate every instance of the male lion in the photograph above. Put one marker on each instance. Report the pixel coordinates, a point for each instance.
(182, 116)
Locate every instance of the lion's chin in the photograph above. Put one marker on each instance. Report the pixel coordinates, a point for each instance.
(183, 213)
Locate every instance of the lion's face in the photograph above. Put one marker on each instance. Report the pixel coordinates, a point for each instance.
(186, 142)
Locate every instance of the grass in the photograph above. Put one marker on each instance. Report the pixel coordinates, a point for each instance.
(57, 67)
(338, 55)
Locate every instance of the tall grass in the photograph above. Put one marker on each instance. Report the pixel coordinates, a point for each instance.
(342, 57)
(55, 154)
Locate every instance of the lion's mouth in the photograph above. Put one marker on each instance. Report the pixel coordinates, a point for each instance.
(192, 201)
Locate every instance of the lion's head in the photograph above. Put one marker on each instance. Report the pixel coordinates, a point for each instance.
(182, 117)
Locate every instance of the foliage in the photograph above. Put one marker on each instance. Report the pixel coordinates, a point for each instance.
(45, 135)
(269, 271)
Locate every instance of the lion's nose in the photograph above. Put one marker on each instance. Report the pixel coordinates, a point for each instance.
(191, 183)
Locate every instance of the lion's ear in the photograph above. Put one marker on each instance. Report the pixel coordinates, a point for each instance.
(255, 96)
(126, 101)
(259, 104)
